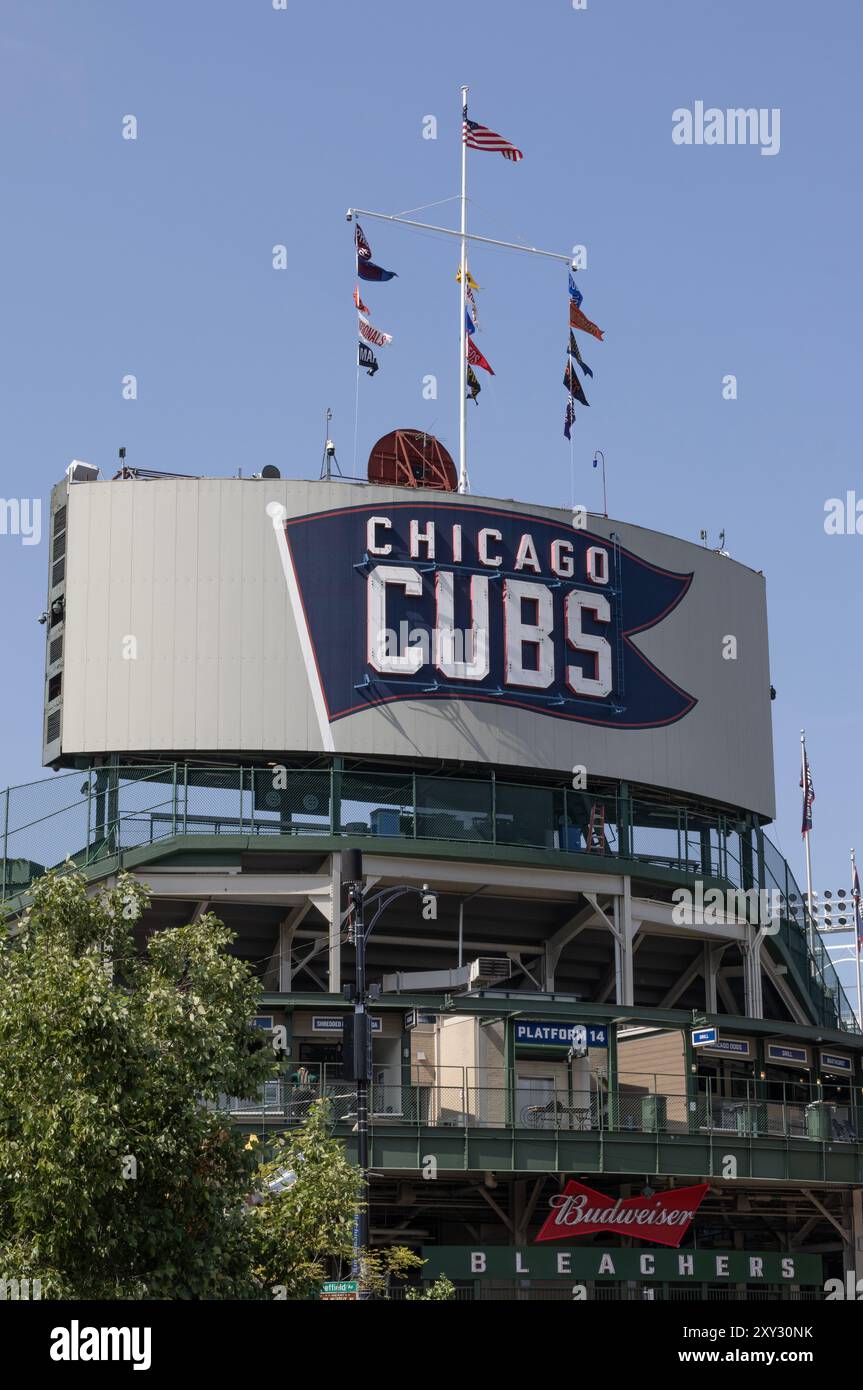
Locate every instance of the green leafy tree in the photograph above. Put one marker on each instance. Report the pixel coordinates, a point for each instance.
(440, 1291)
(378, 1268)
(302, 1230)
(120, 1176)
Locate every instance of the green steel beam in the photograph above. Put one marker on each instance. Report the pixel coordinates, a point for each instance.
(406, 1148)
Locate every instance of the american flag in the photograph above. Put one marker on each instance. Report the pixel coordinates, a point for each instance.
(808, 793)
(479, 137)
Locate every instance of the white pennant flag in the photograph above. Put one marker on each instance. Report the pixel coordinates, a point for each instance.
(373, 335)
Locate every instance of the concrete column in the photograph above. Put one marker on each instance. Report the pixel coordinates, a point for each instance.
(753, 993)
(286, 964)
(712, 956)
(623, 952)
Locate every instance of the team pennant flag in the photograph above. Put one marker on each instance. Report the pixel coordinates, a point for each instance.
(573, 385)
(470, 280)
(858, 917)
(479, 137)
(468, 321)
(363, 308)
(578, 320)
(575, 293)
(367, 270)
(574, 352)
(373, 335)
(367, 359)
(473, 386)
(364, 251)
(569, 419)
(808, 792)
(475, 357)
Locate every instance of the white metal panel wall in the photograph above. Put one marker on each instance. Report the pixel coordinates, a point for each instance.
(191, 570)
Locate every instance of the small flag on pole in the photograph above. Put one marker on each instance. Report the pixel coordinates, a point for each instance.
(808, 792)
(855, 898)
(569, 419)
(573, 385)
(578, 320)
(479, 137)
(471, 299)
(373, 335)
(364, 251)
(473, 386)
(575, 293)
(470, 280)
(468, 320)
(367, 359)
(367, 270)
(574, 352)
(363, 308)
(475, 357)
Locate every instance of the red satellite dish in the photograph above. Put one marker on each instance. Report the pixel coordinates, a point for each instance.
(412, 458)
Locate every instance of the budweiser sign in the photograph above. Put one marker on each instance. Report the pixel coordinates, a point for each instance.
(663, 1219)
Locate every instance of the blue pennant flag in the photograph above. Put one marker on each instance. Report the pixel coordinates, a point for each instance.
(575, 293)
(367, 270)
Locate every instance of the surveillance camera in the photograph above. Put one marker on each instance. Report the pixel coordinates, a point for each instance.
(574, 263)
(43, 618)
(349, 216)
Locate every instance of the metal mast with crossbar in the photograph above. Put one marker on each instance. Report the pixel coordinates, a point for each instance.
(464, 236)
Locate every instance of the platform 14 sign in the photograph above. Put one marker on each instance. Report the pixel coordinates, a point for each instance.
(409, 601)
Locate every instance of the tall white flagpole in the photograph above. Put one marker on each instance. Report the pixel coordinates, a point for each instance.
(857, 940)
(805, 783)
(463, 484)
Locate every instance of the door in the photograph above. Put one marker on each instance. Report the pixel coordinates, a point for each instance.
(535, 1101)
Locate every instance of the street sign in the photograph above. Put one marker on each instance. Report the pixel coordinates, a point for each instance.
(704, 1037)
(340, 1288)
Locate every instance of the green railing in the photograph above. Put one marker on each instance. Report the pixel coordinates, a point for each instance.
(93, 815)
(755, 1110)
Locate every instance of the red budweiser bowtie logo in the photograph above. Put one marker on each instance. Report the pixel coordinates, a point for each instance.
(663, 1219)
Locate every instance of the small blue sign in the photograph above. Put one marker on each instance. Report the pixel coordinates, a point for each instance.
(777, 1052)
(536, 1033)
(704, 1037)
(739, 1047)
(831, 1061)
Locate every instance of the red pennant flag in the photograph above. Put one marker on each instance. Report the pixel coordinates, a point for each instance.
(475, 357)
(578, 320)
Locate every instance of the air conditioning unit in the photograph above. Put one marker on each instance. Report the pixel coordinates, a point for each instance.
(489, 970)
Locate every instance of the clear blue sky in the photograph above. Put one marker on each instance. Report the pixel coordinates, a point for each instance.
(259, 127)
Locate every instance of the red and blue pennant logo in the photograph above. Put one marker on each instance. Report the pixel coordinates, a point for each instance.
(419, 601)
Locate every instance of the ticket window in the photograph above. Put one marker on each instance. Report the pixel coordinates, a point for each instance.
(320, 1058)
(791, 1085)
(730, 1078)
(836, 1089)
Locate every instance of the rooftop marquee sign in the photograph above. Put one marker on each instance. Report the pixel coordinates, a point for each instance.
(613, 1263)
(663, 1218)
(421, 601)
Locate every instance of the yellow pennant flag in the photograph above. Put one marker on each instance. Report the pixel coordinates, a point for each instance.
(470, 279)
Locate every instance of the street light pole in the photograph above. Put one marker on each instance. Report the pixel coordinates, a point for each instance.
(352, 872)
(359, 1055)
